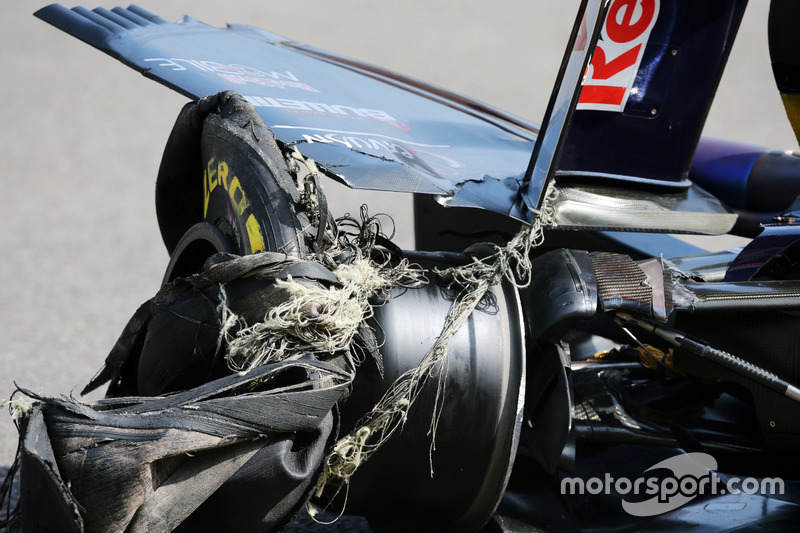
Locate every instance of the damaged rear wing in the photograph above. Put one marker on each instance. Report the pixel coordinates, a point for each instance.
(614, 152)
(364, 126)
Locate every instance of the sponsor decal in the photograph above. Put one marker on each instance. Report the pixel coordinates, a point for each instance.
(359, 143)
(235, 73)
(320, 109)
(399, 149)
(672, 483)
(616, 58)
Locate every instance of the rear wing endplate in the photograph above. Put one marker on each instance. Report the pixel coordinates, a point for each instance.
(626, 114)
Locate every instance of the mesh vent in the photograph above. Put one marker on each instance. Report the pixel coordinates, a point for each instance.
(621, 283)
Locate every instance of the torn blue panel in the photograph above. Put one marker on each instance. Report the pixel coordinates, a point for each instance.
(489, 193)
(365, 126)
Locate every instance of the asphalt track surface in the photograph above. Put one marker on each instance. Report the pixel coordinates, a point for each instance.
(81, 137)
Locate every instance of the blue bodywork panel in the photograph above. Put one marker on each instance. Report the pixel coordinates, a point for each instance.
(364, 126)
(372, 129)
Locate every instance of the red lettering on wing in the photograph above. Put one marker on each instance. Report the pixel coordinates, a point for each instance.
(602, 69)
(620, 24)
(624, 36)
(602, 94)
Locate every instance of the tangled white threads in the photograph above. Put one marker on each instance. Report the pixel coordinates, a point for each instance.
(327, 319)
(472, 281)
(19, 408)
(312, 317)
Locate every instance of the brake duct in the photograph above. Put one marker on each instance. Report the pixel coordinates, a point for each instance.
(579, 284)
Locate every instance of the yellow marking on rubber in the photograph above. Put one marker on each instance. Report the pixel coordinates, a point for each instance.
(254, 234)
(241, 204)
